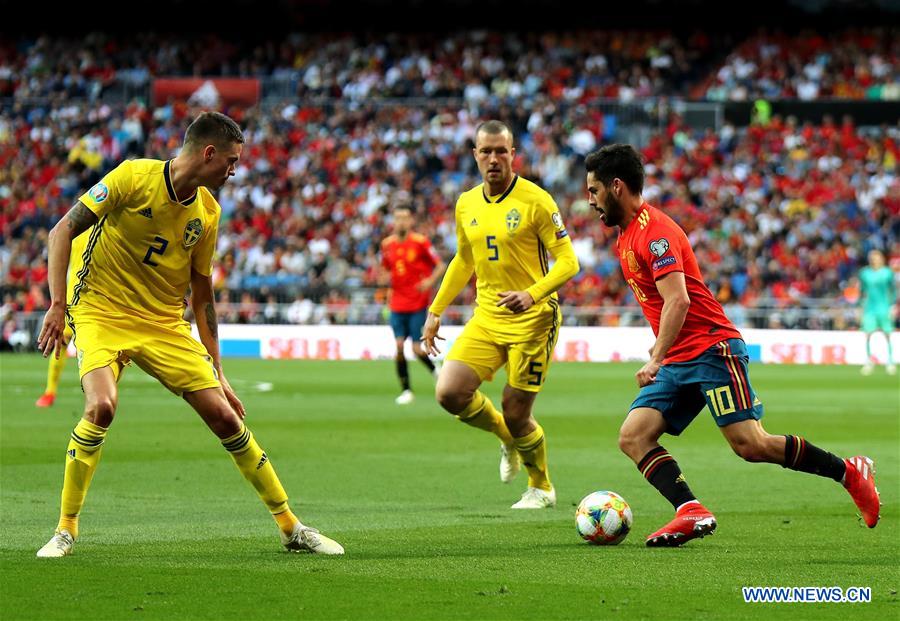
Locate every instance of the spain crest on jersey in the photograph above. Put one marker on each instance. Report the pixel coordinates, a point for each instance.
(192, 232)
(513, 219)
(631, 260)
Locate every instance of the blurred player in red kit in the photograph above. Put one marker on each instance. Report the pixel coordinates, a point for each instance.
(414, 268)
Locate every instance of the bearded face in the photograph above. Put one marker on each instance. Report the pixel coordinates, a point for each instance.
(603, 200)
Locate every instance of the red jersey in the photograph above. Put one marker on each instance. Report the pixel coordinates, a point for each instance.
(650, 247)
(410, 261)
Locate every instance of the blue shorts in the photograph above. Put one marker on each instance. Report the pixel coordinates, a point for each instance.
(717, 378)
(408, 325)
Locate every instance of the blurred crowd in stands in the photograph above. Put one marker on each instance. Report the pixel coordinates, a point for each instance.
(781, 213)
(574, 66)
(854, 64)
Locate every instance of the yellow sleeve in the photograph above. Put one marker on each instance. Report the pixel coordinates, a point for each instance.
(555, 238)
(459, 272)
(105, 196)
(205, 250)
(76, 262)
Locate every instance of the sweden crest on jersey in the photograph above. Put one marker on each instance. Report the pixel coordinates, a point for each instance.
(192, 232)
(513, 219)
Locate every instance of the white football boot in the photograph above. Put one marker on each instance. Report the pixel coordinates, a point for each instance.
(867, 368)
(406, 397)
(510, 463)
(59, 545)
(306, 539)
(535, 498)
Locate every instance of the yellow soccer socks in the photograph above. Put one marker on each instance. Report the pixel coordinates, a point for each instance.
(533, 451)
(254, 464)
(54, 371)
(82, 457)
(482, 414)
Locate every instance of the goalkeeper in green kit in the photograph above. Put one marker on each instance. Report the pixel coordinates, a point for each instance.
(878, 296)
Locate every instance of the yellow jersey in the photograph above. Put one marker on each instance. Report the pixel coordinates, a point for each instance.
(506, 239)
(139, 255)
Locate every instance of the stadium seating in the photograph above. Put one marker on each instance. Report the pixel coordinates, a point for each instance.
(779, 213)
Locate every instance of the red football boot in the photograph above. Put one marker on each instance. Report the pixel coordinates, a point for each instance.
(691, 521)
(46, 400)
(859, 480)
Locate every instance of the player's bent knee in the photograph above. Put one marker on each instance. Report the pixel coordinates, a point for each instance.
(635, 441)
(749, 450)
(451, 400)
(223, 422)
(628, 443)
(625, 443)
(100, 410)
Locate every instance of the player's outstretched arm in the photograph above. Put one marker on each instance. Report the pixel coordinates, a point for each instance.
(204, 306)
(457, 277)
(59, 247)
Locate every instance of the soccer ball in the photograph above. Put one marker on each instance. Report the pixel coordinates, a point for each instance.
(603, 518)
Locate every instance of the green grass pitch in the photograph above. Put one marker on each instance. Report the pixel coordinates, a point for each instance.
(171, 531)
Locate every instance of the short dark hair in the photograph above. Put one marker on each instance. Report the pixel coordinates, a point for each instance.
(617, 160)
(212, 128)
(493, 127)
